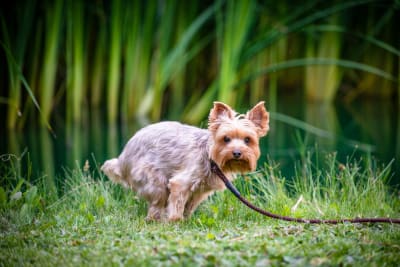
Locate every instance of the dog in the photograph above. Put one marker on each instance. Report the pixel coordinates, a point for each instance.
(168, 163)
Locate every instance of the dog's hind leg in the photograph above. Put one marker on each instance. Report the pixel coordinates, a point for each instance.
(155, 212)
(157, 206)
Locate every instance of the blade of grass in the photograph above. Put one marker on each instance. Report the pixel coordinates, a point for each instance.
(319, 61)
(319, 132)
(17, 47)
(47, 161)
(27, 87)
(367, 38)
(13, 100)
(33, 75)
(199, 107)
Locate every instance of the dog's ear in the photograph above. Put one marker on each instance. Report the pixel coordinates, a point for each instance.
(218, 113)
(260, 118)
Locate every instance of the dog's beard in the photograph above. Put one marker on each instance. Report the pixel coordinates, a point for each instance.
(236, 166)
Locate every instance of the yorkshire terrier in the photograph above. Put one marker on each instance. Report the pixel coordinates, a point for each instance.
(168, 163)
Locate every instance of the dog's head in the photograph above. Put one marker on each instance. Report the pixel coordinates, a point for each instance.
(236, 136)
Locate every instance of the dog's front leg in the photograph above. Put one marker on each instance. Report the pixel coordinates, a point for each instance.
(179, 194)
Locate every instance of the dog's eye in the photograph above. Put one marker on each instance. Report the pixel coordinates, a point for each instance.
(227, 139)
(247, 140)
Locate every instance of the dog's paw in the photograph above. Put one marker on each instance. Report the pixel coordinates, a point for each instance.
(175, 218)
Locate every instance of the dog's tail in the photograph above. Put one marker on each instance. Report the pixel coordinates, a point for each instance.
(113, 170)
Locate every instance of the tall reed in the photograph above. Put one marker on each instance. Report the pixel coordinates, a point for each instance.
(321, 82)
(381, 59)
(232, 29)
(186, 13)
(168, 62)
(275, 52)
(132, 34)
(140, 19)
(27, 87)
(230, 40)
(53, 26)
(137, 57)
(199, 105)
(47, 161)
(33, 78)
(398, 117)
(98, 68)
(13, 100)
(114, 61)
(237, 55)
(17, 47)
(76, 58)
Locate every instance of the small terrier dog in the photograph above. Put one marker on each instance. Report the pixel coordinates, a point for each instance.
(168, 163)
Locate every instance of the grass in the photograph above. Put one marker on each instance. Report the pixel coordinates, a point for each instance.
(94, 222)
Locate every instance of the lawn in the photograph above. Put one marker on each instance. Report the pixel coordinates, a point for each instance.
(91, 222)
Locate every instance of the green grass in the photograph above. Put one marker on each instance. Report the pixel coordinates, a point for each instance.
(93, 222)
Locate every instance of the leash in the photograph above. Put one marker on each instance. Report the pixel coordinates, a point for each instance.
(217, 171)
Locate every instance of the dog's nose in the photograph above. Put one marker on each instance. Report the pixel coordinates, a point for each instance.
(236, 154)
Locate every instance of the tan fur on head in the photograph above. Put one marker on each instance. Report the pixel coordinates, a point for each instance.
(260, 117)
(221, 113)
(218, 114)
(168, 163)
(236, 134)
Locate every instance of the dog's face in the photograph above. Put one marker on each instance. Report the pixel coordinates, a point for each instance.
(236, 136)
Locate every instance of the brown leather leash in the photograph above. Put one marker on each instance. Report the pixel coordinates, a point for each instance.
(217, 171)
